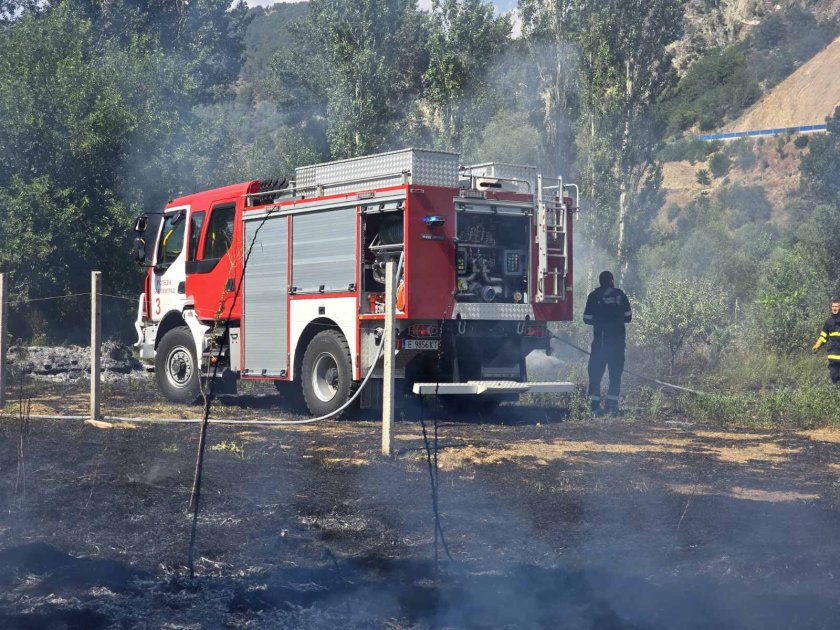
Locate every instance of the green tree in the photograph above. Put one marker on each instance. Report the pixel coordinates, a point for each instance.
(678, 312)
(464, 40)
(95, 128)
(820, 167)
(205, 37)
(603, 68)
(719, 164)
(357, 65)
(509, 137)
(552, 32)
(793, 296)
(626, 71)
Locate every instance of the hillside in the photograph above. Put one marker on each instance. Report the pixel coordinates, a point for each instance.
(774, 168)
(808, 96)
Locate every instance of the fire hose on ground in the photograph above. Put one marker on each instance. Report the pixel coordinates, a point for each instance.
(636, 374)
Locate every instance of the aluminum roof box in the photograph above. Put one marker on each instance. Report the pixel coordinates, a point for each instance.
(419, 167)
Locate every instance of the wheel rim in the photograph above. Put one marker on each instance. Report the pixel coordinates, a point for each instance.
(179, 367)
(325, 377)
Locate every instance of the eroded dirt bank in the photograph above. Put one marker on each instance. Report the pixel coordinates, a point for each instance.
(606, 524)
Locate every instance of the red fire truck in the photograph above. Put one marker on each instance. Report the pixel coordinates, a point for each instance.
(284, 280)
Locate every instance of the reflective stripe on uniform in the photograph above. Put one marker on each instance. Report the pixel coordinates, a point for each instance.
(834, 334)
(587, 317)
(627, 313)
(595, 398)
(611, 397)
(833, 357)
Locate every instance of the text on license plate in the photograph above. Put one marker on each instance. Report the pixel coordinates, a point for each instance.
(420, 344)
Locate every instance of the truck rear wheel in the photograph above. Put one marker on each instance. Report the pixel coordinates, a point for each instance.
(327, 373)
(176, 368)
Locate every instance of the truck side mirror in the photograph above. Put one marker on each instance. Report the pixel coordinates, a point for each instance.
(139, 251)
(141, 223)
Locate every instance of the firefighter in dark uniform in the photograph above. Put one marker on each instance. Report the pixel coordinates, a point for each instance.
(830, 334)
(607, 310)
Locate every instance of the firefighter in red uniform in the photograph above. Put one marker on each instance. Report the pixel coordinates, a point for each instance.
(831, 334)
(607, 310)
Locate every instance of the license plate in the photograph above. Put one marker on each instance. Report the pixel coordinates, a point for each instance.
(420, 344)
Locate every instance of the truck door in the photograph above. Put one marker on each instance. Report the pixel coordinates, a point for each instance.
(167, 291)
(214, 263)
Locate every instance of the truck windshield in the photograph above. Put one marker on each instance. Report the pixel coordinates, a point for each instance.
(171, 239)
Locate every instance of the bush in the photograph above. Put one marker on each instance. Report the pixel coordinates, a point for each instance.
(742, 151)
(678, 312)
(689, 149)
(703, 177)
(792, 294)
(801, 141)
(747, 204)
(797, 408)
(716, 87)
(719, 164)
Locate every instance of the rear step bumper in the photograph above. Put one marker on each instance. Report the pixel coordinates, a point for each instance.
(494, 387)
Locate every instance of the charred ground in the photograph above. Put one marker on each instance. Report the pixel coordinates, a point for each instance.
(613, 523)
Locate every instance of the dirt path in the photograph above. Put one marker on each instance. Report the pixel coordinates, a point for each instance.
(608, 524)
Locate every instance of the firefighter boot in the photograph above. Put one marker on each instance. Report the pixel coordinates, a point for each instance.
(611, 406)
(595, 405)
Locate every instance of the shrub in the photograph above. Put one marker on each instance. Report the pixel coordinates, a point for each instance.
(719, 164)
(677, 312)
(801, 141)
(800, 408)
(748, 204)
(742, 151)
(792, 292)
(689, 149)
(703, 177)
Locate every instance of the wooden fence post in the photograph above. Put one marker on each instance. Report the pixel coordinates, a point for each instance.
(95, 341)
(4, 334)
(388, 360)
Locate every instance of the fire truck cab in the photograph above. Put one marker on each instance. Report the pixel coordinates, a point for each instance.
(285, 280)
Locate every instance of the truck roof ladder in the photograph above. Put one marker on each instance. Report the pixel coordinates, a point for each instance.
(552, 240)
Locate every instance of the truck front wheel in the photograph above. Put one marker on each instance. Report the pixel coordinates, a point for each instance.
(327, 373)
(176, 368)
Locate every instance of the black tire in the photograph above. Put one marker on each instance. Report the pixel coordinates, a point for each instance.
(469, 405)
(291, 394)
(326, 373)
(176, 367)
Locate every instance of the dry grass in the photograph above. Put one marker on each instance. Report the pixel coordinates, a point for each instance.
(727, 435)
(534, 453)
(822, 435)
(766, 452)
(737, 492)
(101, 424)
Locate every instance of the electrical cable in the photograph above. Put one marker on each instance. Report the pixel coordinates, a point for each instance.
(44, 299)
(119, 297)
(432, 462)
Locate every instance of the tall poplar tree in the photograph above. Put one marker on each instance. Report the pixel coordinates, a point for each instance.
(465, 39)
(356, 64)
